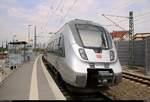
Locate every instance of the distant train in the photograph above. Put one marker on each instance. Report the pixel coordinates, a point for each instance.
(84, 55)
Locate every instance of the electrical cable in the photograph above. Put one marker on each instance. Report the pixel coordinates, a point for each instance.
(68, 11)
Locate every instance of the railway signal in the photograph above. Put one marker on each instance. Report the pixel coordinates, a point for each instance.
(131, 42)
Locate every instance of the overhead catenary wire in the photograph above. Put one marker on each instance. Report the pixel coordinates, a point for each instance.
(140, 17)
(50, 15)
(143, 14)
(59, 5)
(117, 25)
(53, 12)
(57, 8)
(137, 18)
(123, 5)
(47, 16)
(63, 18)
(107, 25)
(51, 6)
(74, 2)
(60, 9)
(63, 5)
(117, 16)
(143, 21)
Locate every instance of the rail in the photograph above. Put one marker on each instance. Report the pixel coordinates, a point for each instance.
(137, 78)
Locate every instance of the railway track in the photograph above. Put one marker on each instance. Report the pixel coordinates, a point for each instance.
(137, 78)
(74, 96)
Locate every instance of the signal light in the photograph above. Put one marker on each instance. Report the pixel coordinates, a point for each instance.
(112, 55)
(83, 54)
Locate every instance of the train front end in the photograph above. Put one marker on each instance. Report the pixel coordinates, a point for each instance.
(95, 62)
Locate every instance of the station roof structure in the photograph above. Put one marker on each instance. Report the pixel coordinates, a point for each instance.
(18, 42)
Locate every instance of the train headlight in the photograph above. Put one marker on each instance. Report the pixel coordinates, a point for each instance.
(112, 55)
(83, 54)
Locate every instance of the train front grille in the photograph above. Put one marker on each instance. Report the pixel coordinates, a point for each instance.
(100, 77)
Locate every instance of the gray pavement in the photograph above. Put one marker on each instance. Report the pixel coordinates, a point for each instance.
(18, 85)
(45, 92)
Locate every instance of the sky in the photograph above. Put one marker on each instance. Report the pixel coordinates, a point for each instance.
(50, 15)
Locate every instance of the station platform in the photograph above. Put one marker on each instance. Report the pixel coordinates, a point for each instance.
(31, 81)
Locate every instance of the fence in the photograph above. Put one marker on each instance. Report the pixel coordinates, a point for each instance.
(141, 53)
(147, 55)
(122, 48)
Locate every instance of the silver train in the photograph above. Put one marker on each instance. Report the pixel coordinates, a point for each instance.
(84, 55)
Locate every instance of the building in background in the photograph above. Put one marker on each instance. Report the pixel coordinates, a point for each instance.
(18, 52)
(141, 36)
(120, 35)
(3, 55)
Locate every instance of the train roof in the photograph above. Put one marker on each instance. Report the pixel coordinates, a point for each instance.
(79, 21)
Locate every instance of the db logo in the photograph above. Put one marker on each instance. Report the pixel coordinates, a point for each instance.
(98, 55)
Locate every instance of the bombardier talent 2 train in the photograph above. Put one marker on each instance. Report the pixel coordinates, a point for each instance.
(84, 55)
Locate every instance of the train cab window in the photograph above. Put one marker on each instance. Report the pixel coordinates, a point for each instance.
(92, 36)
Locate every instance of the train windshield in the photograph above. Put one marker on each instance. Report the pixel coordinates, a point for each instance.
(92, 36)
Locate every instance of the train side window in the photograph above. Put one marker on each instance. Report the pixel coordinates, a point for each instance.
(53, 47)
(50, 47)
(57, 46)
(61, 46)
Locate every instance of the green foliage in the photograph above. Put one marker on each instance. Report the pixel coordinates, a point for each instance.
(132, 67)
(39, 50)
(3, 49)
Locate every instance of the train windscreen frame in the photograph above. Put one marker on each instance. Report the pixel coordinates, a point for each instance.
(92, 36)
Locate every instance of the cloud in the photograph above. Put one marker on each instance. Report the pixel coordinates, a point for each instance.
(15, 12)
(15, 16)
(122, 8)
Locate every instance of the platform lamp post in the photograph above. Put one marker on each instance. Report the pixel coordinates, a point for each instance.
(14, 38)
(35, 37)
(29, 33)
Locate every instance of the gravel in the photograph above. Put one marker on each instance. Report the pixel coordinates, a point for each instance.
(129, 90)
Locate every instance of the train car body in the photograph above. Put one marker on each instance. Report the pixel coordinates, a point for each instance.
(84, 55)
